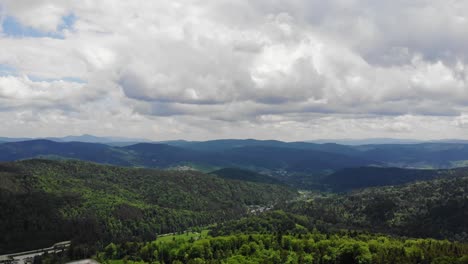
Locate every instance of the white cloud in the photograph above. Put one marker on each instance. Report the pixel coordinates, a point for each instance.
(21, 93)
(242, 66)
(40, 14)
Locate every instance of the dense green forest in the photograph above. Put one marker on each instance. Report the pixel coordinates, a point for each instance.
(423, 155)
(278, 237)
(245, 175)
(357, 178)
(351, 179)
(47, 201)
(436, 208)
(246, 202)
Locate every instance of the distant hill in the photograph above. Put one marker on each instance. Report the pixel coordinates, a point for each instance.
(279, 158)
(382, 141)
(367, 141)
(96, 139)
(163, 156)
(244, 175)
(358, 178)
(82, 138)
(296, 163)
(223, 144)
(46, 201)
(424, 155)
(95, 152)
(7, 139)
(160, 155)
(395, 152)
(226, 144)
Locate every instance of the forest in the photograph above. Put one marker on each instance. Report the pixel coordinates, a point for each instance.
(280, 239)
(436, 208)
(47, 201)
(122, 214)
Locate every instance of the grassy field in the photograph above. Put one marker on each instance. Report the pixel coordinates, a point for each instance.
(185, 236)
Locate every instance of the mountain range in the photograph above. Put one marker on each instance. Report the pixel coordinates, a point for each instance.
(96, 193)
(155, 155)
(82, 138)
(128, 140)
(252, 154)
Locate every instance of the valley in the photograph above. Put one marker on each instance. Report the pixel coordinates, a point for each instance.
(122, 203)
(233, 132)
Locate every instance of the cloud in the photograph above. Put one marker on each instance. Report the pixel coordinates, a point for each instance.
(43, 15)
(22, 92)
(241, 65)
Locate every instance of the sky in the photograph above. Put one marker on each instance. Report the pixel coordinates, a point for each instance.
(207, 69)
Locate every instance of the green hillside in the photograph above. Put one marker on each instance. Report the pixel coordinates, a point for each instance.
(47, 201)
(363, 177)
(245, 175)
(289, 242)
(436, 208)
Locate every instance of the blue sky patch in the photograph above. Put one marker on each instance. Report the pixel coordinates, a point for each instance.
(67, 22)
(6, 70)
(65, 79)
(13, 28)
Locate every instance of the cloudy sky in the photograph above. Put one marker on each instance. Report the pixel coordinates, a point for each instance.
(205, 69)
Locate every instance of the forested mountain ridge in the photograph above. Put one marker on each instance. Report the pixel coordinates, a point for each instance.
(245, 175)
(422, 155)
(277, 238)
(262, 154)
(301, 165)
(46, 201)
(95, 152)
(411, 155)
(162, 155)
(305, 248)
(436, 208)
(225, 144)
(357, 178)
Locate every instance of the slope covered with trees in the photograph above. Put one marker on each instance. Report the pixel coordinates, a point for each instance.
(423, 155)
(436, 208)
(47, 201)
(363, 177)
(244, 175)
(287, 242)
(334, 229)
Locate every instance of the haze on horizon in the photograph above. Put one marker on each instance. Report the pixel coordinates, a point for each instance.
(197, 70)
